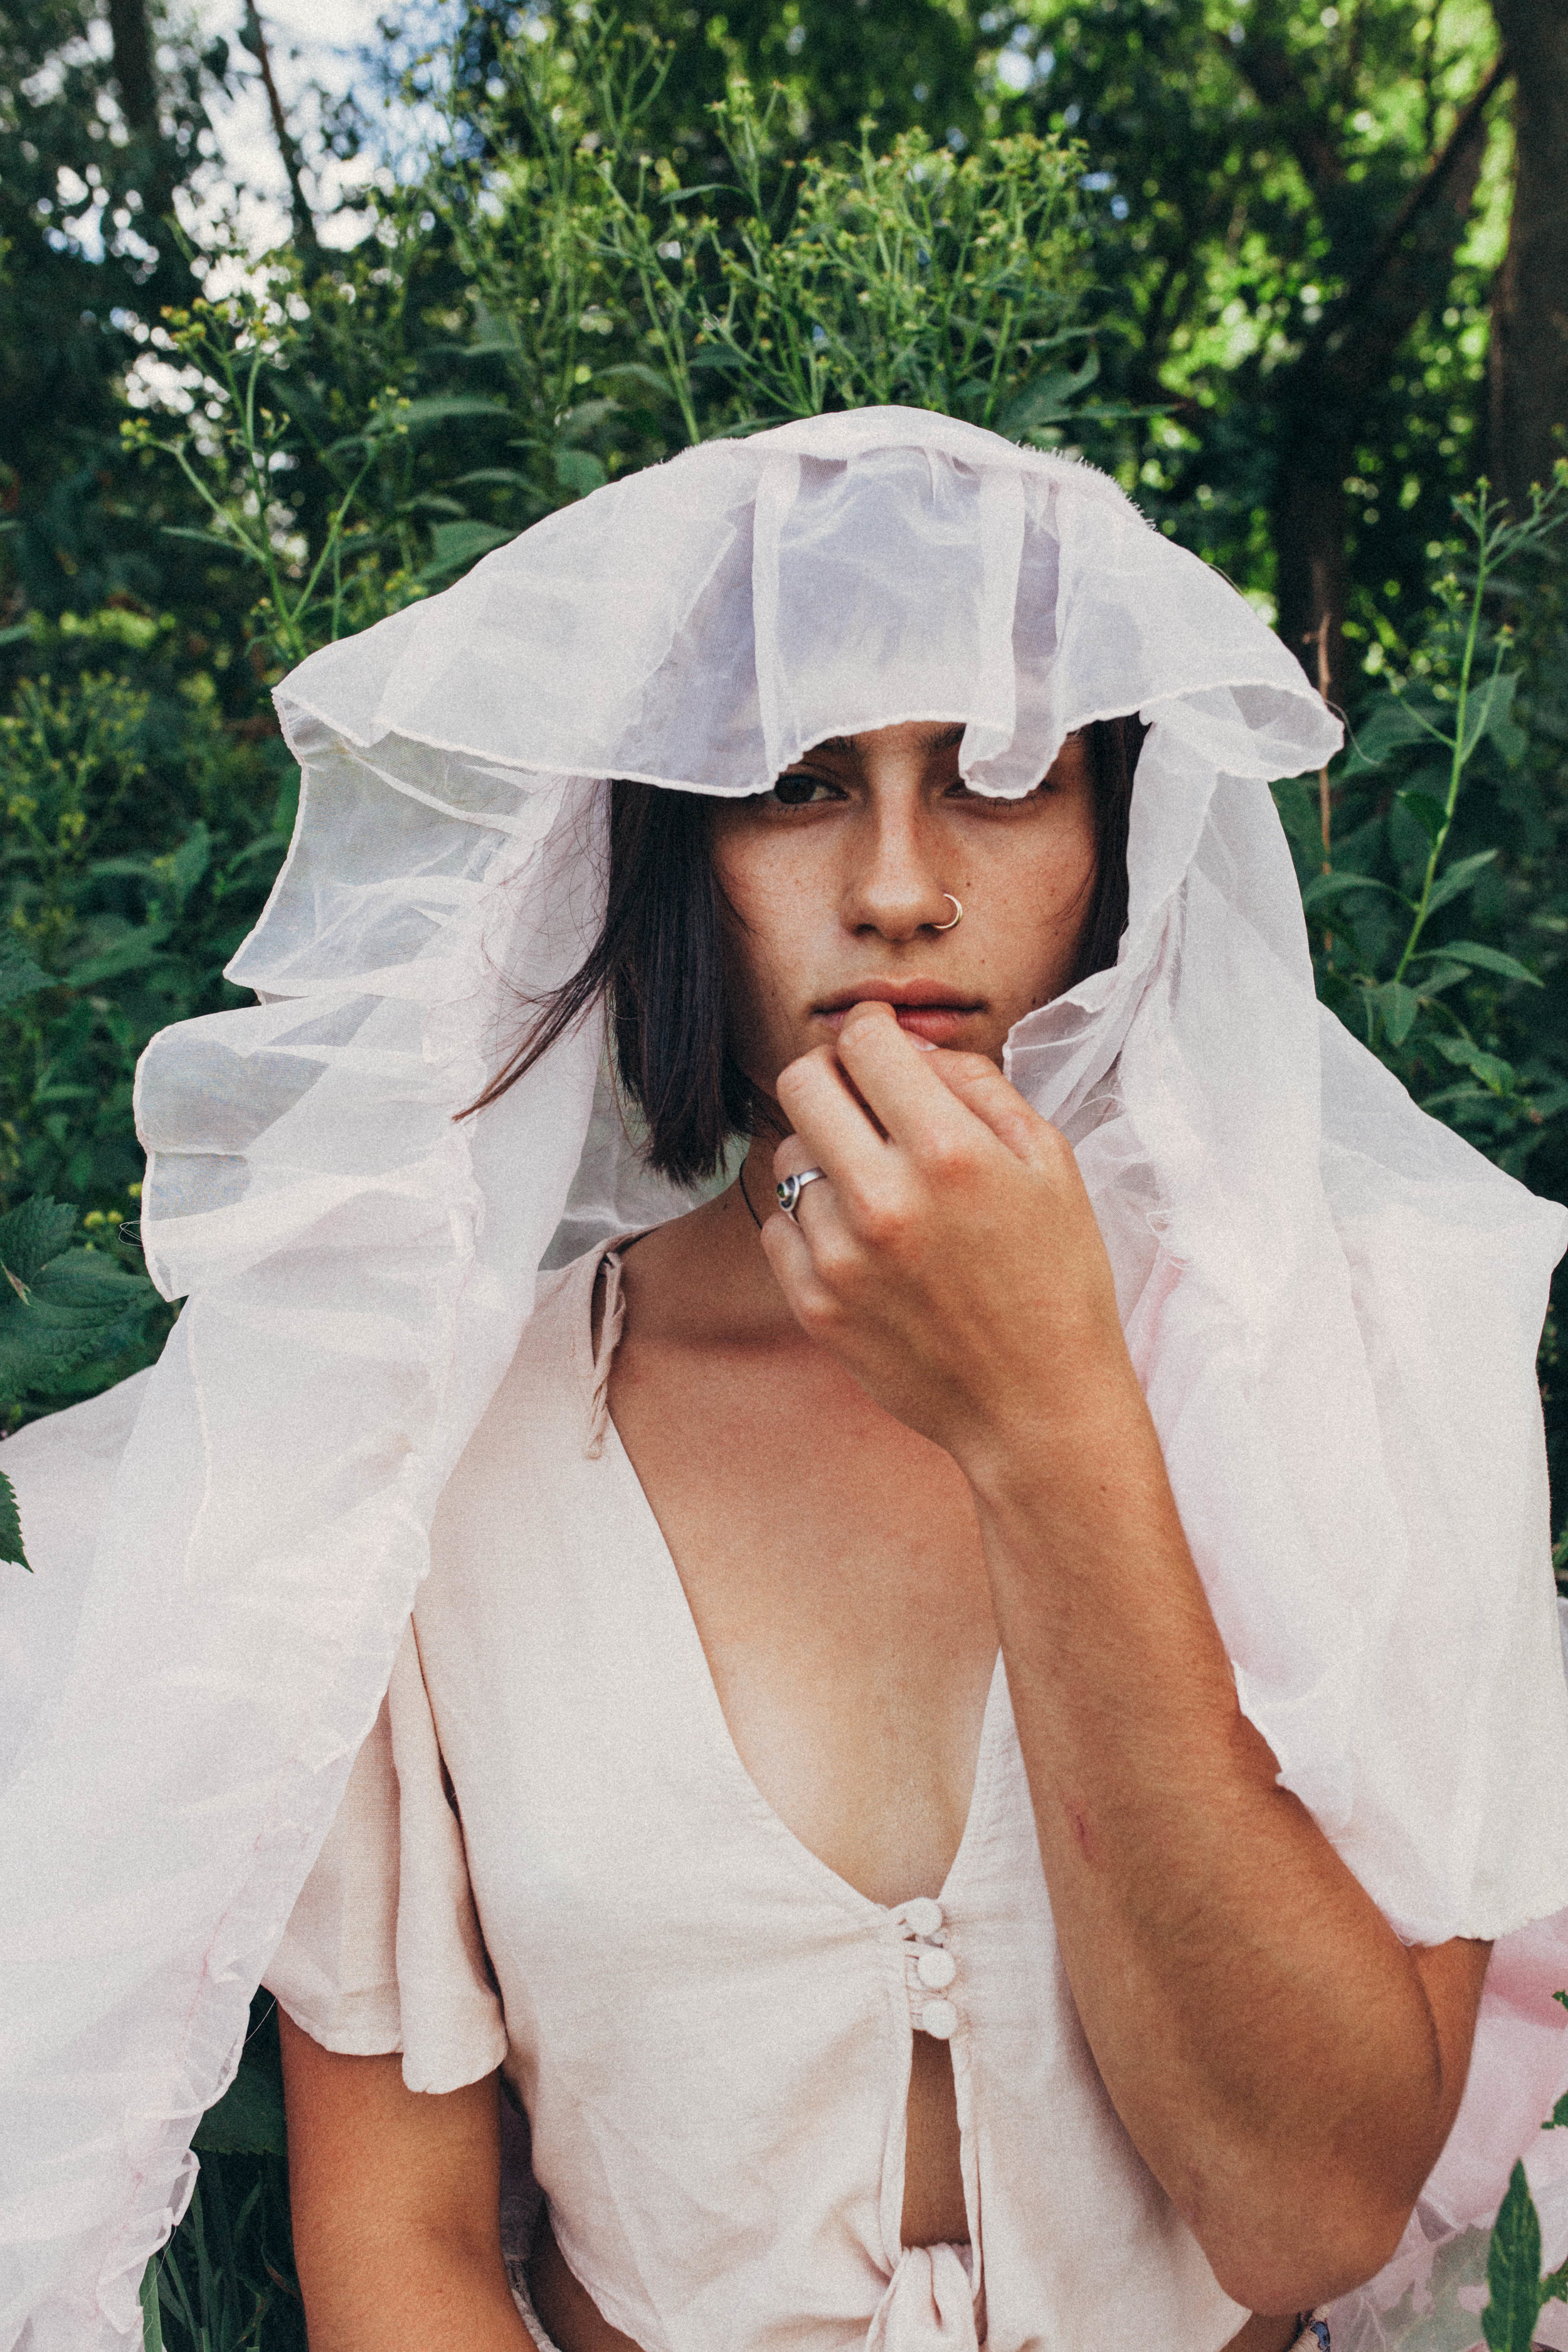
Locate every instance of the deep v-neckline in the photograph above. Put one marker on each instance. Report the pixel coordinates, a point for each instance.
(700, 1670)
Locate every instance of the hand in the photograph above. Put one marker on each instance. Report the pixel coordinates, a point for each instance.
(952, 1262)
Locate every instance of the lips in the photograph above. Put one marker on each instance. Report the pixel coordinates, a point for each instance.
(924, 1008)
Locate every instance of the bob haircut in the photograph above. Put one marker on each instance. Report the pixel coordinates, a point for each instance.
(659, 963)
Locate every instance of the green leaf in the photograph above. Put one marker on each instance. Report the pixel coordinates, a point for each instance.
(1398, 1005)
(248, 2118)
(455, 545)
(1482, 959)
(151, 2318)
(190, 861)
(1298, 813)
(59, 1307)
(579, 470)
(1459, 878)
(20, 975)
(11, 1552)
(488, 476)
(1046, 398)
(638, 371)
(33, 1233)
(1442, 975)
(1391, 723)
(1429, 813)
(1488, 711)
(1330, 886)
(443, 408)
(1513, 2270)
(1558, 2121)
(133, 953)
(204, 537)
(1491, 1070)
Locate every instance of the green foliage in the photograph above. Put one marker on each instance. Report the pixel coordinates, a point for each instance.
(1398, 874)
(226, 2282)
(1518, 2293)
(351, 449)
(142, 832)
(1250, 163)
(59, 1308)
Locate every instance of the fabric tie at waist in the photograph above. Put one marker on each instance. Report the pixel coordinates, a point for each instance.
(929, 2303)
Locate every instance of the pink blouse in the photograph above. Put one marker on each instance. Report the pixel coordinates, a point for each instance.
(552, 1858)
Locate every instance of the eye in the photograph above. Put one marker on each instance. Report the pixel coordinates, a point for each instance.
(794, 791)
(991, 804)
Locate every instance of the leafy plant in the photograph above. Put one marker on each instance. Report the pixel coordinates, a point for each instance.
(1517, 2291)
(142, 832)
(225, 2280)
(59, 1308)
(355, 448)
(1395, 880)
(865, 278)
(236, 349)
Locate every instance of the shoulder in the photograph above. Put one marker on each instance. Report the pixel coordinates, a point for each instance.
(537, 1421)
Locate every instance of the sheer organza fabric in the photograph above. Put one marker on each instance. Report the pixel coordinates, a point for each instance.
(1332, 1302)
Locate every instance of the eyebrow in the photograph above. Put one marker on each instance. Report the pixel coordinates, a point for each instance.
(934, 739)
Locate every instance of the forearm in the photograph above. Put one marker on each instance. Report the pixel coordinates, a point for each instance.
(1264, 2036)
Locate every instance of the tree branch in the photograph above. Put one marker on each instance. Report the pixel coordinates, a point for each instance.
(1431, 186)
(305, 238)
(1274, 82)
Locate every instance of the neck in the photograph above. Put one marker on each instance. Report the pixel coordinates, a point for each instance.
(714, 1260)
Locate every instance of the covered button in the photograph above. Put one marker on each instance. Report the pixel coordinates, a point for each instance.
(923, 1916)
(936, 1969)
(940, 2020)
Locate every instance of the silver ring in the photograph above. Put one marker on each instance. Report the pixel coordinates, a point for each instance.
(791, 1188)
(957, 914)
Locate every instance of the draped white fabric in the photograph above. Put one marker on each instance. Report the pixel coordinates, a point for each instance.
(1332, 1302)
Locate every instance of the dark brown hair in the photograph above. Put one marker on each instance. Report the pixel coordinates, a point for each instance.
(659, 963)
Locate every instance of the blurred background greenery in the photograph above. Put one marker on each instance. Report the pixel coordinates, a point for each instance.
(1297, 274)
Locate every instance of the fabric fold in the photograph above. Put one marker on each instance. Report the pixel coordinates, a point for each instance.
(1333, 1303)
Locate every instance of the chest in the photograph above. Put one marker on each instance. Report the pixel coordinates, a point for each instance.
(831, 1562)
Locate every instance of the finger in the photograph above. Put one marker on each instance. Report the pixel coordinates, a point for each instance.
(788, 1254)
(898, 1081)
(979, 1084)
(837, 1130)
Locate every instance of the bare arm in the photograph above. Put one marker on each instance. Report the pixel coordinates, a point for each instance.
(1288, 2069)
(395, 2200)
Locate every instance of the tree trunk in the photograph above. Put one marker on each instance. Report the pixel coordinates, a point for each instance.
(254, 38)
(136, 79)
(1309, 554)
(1528, 361)
(1322, 397)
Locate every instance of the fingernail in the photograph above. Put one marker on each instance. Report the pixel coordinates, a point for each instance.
(923, 1043)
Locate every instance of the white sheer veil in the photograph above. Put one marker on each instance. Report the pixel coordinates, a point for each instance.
(1332, 1301)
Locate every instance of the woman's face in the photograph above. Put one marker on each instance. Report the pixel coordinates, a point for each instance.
(838, 877)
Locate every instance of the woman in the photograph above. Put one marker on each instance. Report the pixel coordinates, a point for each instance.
(964, 1745)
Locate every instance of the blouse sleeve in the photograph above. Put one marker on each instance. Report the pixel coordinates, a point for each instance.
(383, 1950)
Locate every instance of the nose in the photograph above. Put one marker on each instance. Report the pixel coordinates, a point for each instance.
(897, 886)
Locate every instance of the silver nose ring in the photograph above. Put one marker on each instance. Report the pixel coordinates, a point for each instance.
(957, 914)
